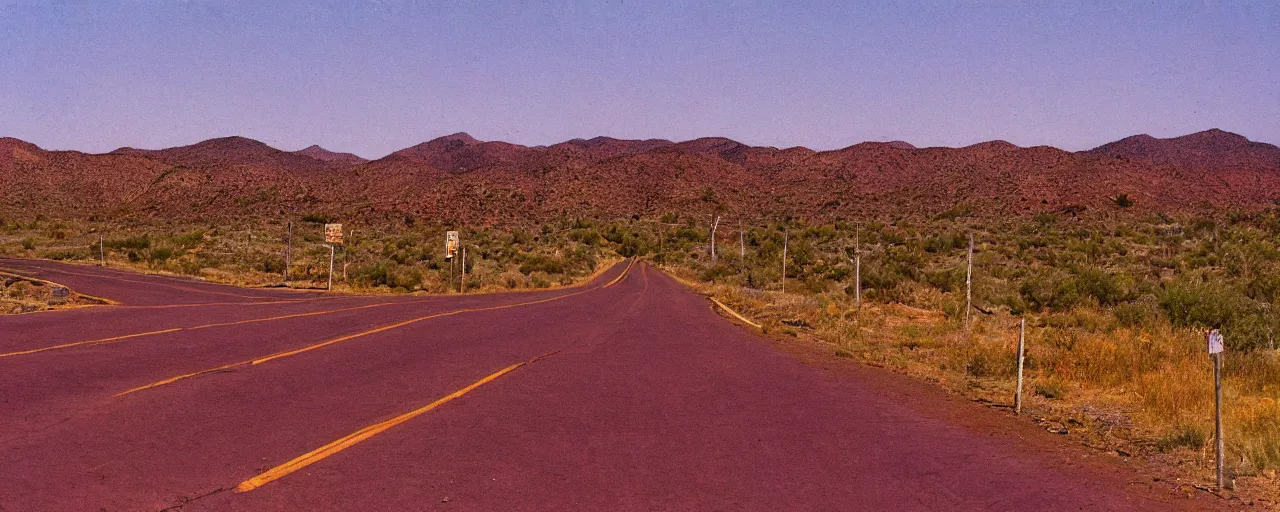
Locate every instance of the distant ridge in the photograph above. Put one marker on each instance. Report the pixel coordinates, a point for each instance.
(462, 178)
(1214, 148)
(324, 155)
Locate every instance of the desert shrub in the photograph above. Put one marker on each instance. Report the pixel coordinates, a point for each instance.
(388, 274)
(189, 240)
(29, 243)
(1184, 436)
(632, 245)
(945, 280)
(273, 264)
(587, 236)
(1136, 314)
(542, 263)
(136, 243)
(1052, 389)
(161, 254)
(1106, 288)
(65, 254)
(692, 234)
(945, 242)
(1246, 324)
(539, 279)
(985, 362)
(315, 218)
(717, 273)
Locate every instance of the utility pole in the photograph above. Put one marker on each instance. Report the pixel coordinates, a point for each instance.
(288, 252)
(968, 283)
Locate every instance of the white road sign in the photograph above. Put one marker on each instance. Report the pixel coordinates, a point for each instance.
(450, 244)
(333, 233)
(1215, 342)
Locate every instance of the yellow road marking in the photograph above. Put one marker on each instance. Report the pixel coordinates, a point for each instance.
(735, 313)
(90, 342)
(622, 275)
(340, 339)
(193, 328)
(351, 439)
(200, 304)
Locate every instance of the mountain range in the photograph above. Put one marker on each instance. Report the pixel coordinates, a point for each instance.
(457, 178)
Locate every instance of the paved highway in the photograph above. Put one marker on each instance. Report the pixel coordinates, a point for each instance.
(626, 393)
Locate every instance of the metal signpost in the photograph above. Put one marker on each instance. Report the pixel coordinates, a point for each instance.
(333, 237)
(288, 252)
(968, 283)
(1215, 351)
(1022, 343)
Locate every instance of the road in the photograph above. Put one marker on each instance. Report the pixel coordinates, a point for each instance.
(626, 393)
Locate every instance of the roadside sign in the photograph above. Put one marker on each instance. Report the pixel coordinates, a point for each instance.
(1215, 342)
(333, 233)
(450, 244)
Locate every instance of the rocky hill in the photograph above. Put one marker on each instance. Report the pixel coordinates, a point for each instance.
(459, 178)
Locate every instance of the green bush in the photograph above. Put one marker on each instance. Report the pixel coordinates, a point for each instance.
(1052, 389)
(136, 243)
(65, 254)
(161, 254)
(1182, 437)
(542, 263)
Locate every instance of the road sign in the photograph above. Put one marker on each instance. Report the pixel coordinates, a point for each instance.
(333, 233)
(1215, 342)
(450, 244)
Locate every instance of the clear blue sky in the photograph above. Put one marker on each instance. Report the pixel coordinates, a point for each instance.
(379, 76)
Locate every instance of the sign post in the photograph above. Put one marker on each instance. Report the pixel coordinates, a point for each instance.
(288, 252)
(102, 255)
(968, 283)
(1215, 350)
(1022, 343)
(333, 236)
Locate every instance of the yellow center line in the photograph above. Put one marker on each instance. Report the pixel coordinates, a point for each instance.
(205, 326)
(200, 304)
(340, 339)
(90, 342)
(351, 439)
(622, 275)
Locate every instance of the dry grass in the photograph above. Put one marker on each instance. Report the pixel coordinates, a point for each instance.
(1146, 392)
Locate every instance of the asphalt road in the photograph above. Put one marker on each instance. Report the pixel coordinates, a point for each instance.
(627, 393)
